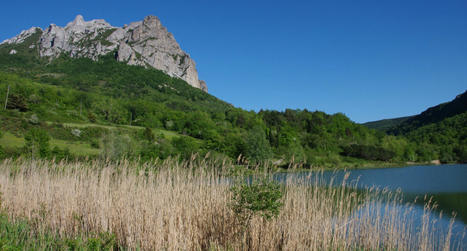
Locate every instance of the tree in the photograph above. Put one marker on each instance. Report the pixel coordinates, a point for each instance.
(257, 146)
(148, 135)
(162, 149)
(37, 143)
(185, 146)
(289, 144)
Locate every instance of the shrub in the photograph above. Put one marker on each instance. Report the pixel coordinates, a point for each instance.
(185, 146)
(162, 149)
(17, 102)
(60, 154)
(37, 143)
(116, 146)
(262, 197)
(148, 135)
(92, 118)
(94, 144)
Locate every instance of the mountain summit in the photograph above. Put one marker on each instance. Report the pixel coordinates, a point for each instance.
(146, 43)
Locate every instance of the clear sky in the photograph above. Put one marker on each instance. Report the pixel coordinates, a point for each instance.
(367, 59)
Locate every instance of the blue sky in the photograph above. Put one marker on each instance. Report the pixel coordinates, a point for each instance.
(367, 59)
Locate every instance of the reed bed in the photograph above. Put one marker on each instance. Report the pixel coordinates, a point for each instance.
(173, 205)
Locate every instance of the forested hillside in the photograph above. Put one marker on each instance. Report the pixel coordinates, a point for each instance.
(432, 115)
(448, 138)
(441, 130)
(386, 124)
(85, 108)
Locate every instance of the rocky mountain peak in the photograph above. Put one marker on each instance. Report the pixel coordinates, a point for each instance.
(152, 20)
(146, 43)
(79, 21)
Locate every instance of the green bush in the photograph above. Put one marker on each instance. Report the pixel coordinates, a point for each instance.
(162, 150)
(148, 135)
(37, 143)
(94, 144)
(185, 146)
(261, 197)
(115, 146)
(60, 154)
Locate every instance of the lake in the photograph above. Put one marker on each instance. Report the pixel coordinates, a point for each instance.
(447, 184)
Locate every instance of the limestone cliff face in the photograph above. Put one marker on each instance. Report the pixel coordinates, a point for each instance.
(146, 43)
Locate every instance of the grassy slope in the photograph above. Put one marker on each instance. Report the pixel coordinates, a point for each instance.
(78, 148)
(156, 131)
(12, 123)
(10, 141)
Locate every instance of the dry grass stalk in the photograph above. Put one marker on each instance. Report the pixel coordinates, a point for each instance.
(185, 206)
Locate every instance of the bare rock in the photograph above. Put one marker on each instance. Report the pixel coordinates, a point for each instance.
(203, 85)
(22, 36)
(145, 43)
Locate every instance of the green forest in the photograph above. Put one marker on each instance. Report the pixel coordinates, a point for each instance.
(79, 108)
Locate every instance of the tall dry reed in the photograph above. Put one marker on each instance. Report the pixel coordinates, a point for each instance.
(174, 205)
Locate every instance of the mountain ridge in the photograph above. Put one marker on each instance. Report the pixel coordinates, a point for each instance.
(145, 43)
(431, 115)
(385, 124)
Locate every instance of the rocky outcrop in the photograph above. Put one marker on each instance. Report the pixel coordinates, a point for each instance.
(203, 85)
(22, 36)
(77, 39)
(146, 43)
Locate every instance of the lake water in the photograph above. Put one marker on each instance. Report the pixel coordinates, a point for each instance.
(446, 183)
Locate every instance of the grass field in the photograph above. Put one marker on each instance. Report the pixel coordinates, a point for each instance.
(79, 148)
(10, 141)
(156, 131)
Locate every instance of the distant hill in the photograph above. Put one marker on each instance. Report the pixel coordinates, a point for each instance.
(432, 115)
(386, 124)
(448, 135)
(440, 131)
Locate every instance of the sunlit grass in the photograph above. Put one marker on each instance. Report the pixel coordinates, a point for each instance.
(156, 131)
(76, 148)
(173, 205)
(10, 141)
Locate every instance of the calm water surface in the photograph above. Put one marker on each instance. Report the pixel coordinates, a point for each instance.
(446, 183)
